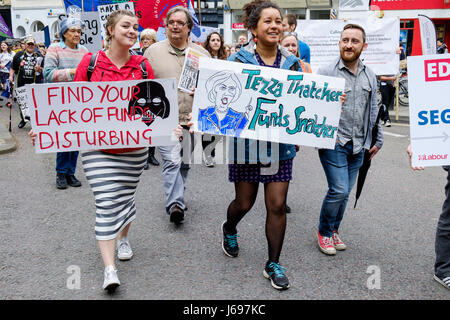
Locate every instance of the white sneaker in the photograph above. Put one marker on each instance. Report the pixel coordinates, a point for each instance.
(387, 123)
(337, 241)
(111, 281)
(209, 161)
(124, 251)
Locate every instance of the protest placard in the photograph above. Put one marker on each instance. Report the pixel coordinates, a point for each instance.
(105, 10)
(188, 78)
(20, 94)
(262, 103)
(429, 111)
(91, 37)
(99, 115)
(382, 37)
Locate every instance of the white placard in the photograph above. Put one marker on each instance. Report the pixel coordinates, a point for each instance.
(429, 111)
(262, 103)
(103, 115)
(322, 37)
(105, 10)
(21, 96)
(91, 37)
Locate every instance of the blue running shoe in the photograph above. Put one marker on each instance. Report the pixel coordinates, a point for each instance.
(275, 273)
(229, 245)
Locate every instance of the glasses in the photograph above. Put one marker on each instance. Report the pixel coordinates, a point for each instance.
(176, 23)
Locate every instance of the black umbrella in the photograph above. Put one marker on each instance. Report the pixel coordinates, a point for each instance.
(362, 174)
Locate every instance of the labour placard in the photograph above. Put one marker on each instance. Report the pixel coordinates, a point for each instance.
(429, 111)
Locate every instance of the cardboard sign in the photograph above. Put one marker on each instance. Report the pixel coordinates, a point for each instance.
(21, 96)
(429, 83)
(262, 103)
(91, 37)
(105, 10)
(103, 115)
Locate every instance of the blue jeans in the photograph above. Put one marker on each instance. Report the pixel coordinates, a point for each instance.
(341, 169)
(66, 162)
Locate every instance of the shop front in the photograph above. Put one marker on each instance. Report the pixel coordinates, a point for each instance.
(408, 11)
(303, 9)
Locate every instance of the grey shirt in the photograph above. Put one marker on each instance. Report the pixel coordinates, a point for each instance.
(370, 115)
(351, 123)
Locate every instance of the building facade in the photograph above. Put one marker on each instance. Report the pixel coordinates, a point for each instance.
(303, 9)
(408, 11)
(30, 16)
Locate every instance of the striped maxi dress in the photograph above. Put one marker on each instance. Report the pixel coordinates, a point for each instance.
(113, 178)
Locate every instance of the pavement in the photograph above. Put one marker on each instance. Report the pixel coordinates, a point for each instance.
(7, 141)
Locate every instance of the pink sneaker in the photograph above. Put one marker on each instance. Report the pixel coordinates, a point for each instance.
(326, 244)
(338, 243)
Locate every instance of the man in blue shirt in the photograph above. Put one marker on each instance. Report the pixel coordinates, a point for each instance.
(289, 25)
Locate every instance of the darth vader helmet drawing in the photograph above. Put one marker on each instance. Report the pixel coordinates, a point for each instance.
(149, 100)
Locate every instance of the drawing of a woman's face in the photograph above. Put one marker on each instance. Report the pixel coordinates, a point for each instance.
(225, 93)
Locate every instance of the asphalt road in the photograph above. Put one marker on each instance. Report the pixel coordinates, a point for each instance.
(49, 251)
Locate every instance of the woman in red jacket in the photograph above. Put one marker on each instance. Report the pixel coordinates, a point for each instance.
(114, 174)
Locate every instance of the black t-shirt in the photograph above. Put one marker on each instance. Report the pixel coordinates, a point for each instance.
(23, 65)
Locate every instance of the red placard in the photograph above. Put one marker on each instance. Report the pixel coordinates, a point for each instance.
(238, 26)
(408, 4)
(151, 13)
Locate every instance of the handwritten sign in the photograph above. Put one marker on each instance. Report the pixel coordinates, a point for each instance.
(91, 37)
(428, 82)
(21, 96)
(99, 115)
(105, 10)
(263, 103)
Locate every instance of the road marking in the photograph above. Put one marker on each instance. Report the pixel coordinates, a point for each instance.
(394, 134)
(400, 124)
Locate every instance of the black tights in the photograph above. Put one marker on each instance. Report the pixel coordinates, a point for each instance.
(275, 199)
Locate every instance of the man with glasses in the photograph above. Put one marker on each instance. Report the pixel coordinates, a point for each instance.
(289, 25)
(27, 67)
(167, 59)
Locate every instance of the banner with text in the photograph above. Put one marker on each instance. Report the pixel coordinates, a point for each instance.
(429, 112)
(99, 115)
(382, 36)
(262, 103)
(105, 10)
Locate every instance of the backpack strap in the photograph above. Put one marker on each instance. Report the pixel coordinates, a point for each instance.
(144, 70)
(143, 67)
(92, 64)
